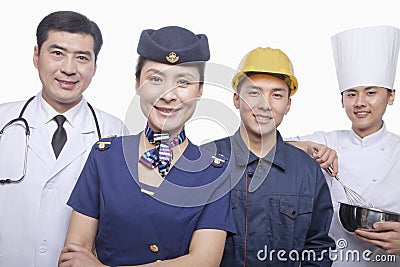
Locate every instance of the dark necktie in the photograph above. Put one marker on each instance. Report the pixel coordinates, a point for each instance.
(60, 135)
(161, 155)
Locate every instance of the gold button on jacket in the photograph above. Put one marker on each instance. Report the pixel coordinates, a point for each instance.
(153, 248)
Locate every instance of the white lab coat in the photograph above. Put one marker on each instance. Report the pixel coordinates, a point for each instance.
(371, 167)
(34, 216)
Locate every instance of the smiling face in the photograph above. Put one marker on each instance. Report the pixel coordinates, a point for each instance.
(263, 100)
(365, 107)
(66, 65)
(168, 95)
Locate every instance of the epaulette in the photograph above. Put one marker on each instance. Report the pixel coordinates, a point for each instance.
(105, 143)
(219, 160)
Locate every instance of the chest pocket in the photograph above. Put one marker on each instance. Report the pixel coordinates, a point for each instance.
(289, 218)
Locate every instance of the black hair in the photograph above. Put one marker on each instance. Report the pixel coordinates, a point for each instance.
(72, 22)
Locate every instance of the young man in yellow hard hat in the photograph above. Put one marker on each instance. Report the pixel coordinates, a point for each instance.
(369, 155)
(280, 199)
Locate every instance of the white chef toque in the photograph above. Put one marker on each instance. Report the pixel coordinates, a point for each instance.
(366, 56)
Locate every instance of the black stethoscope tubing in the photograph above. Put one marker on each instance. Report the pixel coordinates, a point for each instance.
(27, 132)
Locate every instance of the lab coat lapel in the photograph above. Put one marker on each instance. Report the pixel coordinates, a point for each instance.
(78, 141)
(38, 139)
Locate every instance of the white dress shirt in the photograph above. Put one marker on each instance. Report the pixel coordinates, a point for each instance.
(71, 117)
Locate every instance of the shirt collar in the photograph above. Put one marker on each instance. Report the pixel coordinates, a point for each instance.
(371, 139)
(70, 115)
(243, 156)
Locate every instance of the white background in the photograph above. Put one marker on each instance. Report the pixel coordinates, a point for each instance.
(302, 29)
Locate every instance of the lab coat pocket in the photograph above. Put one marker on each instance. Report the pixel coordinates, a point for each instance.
(289, 220)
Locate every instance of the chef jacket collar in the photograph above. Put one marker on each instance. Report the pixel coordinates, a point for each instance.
(371, 139)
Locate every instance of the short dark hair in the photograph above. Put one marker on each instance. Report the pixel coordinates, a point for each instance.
(72, 22)
(200, 65)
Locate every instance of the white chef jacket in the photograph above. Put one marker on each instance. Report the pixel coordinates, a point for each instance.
(34, 216)
(370, 166)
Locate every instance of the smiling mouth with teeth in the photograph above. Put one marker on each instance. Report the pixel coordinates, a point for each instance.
(66, 82)
(260, 118)
(168, 110)
(361, 113)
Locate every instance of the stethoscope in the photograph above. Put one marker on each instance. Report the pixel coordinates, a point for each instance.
(27, 133)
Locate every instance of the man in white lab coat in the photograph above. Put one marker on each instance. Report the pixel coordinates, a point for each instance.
(33, 213)
(366, 61)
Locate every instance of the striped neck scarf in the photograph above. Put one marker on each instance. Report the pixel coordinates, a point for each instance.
(160, 156)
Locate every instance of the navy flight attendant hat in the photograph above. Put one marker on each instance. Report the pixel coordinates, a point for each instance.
(173, 45)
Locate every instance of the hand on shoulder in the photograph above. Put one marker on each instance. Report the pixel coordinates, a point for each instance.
(324, 155)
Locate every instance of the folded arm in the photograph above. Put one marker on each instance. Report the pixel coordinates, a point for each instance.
(206, 246)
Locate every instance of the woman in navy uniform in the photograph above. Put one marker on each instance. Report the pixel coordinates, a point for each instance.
(154, 199)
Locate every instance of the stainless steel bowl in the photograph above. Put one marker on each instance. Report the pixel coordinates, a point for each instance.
(353, 217)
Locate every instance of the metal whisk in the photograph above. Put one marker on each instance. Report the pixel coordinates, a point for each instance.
(352, 196)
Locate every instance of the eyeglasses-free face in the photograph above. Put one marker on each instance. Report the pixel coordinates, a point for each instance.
(365, 106)
(168, 95)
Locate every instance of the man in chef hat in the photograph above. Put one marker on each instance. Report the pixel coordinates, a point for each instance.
(366, 61)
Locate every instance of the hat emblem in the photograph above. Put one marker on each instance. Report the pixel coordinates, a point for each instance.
(172, 57)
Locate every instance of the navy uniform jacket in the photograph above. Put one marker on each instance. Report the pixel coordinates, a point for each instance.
(279, 202)
(140, 224)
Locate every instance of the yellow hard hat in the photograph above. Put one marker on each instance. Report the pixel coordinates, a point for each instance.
(266, 60)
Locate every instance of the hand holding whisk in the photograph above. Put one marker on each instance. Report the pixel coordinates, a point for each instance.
(352, 196)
